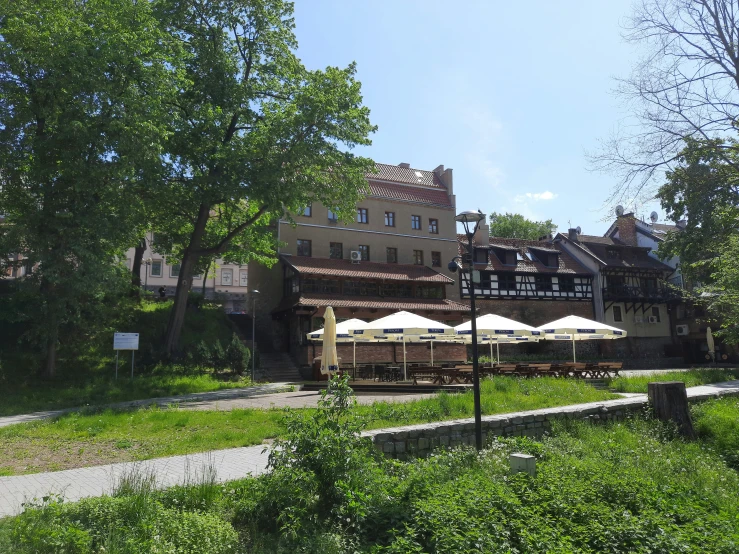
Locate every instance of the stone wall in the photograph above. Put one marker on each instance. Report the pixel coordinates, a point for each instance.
(421, 440)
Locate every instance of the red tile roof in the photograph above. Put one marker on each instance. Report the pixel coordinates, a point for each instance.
(406, 175)
(368, 302)
(567, 264)
(364, 270)
(406, 193)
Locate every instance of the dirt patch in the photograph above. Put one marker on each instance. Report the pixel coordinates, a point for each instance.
(20, 456)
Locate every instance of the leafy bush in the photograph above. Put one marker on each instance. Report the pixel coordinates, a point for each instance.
(218, 356)
(238, 355)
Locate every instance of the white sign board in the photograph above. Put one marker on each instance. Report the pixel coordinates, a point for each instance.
(126, 341)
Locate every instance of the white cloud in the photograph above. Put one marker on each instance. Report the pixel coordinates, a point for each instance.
(535, 196)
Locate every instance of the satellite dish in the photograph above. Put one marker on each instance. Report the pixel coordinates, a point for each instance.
(579, 230)
(619, 210)
(654, 216)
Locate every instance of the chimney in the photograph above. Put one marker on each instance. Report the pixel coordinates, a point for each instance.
(482, 236)
(682, 224)
(445, 176)
(572, 235)
(405, 165)
(626, 224)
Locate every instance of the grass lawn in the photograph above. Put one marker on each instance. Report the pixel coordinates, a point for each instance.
(34, 396)
(622, 487)
(691, 378)
(83, 439)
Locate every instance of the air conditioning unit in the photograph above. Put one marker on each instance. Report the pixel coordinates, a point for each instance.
(638, 319)
(653, 319)
(682, 330)
(355, 256)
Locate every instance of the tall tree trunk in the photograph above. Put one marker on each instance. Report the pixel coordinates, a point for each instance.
(138, 256)
(205, 277)
(189, 259)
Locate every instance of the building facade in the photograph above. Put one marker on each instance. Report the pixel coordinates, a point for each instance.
(631, 289)
(229, 283)
(392, 256)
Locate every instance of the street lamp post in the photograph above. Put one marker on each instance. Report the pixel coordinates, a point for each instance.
(467, 218)
(253, 333)
(146, 276)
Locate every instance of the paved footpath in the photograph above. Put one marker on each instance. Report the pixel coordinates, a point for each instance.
(229, 464)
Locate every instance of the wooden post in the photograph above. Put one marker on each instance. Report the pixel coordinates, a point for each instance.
(669, 401)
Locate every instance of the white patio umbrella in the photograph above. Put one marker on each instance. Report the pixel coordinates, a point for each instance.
(498, 329)
(574, 328)
(711, 344)
(344, 333)
(329, 359)
(404, 325)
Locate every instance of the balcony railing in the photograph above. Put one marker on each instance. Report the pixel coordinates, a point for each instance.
(632, 293)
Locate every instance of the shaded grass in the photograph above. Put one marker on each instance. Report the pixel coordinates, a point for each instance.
(691, 378)
(34, 396)
(87, 368)
(83, 439)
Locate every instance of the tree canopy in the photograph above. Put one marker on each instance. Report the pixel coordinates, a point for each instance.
(81, 92)
(516, 226)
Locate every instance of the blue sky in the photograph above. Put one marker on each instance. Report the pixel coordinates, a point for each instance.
(511, 95)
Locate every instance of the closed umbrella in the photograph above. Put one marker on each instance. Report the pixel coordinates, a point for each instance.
(575, 328)
(344, 333)
(711, 345)
(329, 359)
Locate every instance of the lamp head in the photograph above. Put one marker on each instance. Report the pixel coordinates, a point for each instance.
(255, 291)
(470, 216)
(453, 266)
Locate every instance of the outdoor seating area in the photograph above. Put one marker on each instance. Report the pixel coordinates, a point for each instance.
(404, 327)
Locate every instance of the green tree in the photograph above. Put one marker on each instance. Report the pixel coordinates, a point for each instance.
(516, 226)
(721, 293)
(81, 85)
(704, 188)
(257, 135)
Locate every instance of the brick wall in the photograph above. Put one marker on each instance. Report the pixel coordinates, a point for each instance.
(533, 312)
(387, 353)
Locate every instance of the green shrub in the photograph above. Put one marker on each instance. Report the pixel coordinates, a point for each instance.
(202, 354)
(218, 358)
(238, 355)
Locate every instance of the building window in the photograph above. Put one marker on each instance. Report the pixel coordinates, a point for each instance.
(156, 268)
(307, 211)
(360, 288)
(428, 292)
(227, 277)
(618, 316)
(304, 247)
(364, 250)
(362, 216)
(332, 216)
(243, 278)
(435, 259)
(434, 226)
(396, 290)
(655, 313)
(336, 251)
(481, 256)
(392, 255)
(174, 270)
(506, 281)
(320, 286)
(389, 219)
(543, 282)
(566, 284)
(416, 222)
(418, 257)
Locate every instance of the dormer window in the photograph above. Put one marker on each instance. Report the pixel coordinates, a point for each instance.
(481, 256)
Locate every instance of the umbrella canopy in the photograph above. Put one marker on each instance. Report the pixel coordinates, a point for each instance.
(344, 330)
(329, 359)
(574, 328)
(404, 326)
(496, 325)
(711, 345)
